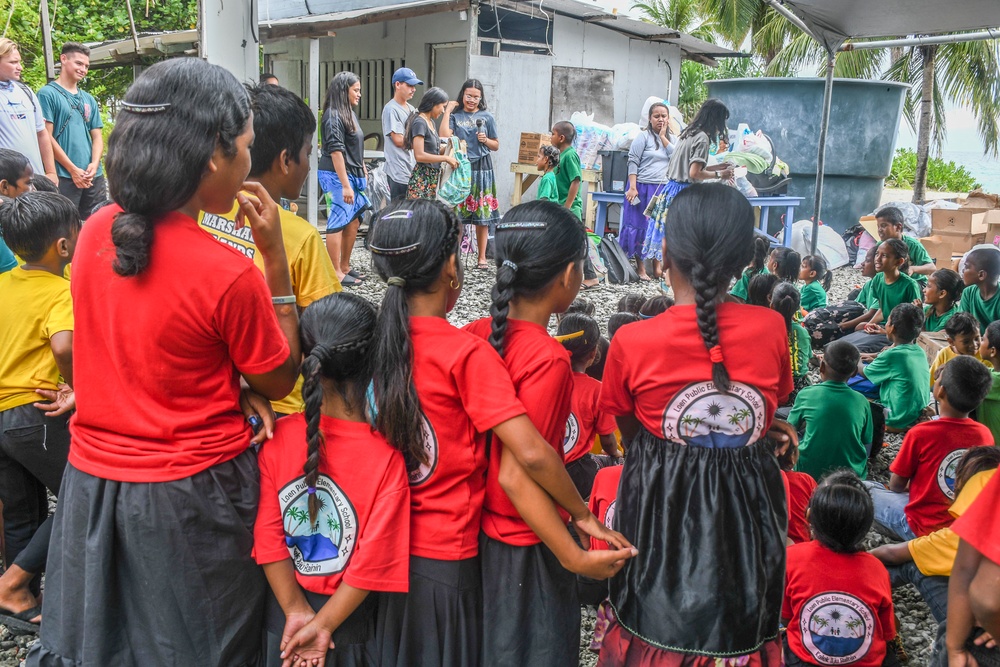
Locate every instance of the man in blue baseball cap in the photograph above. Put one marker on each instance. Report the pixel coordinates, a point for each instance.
(399, 162)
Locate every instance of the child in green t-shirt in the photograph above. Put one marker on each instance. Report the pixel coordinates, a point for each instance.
(941, 294)
(817, 278)
(546, 162)
(785, 300)
(989, 410)
(981, 275)
(891, 286)
(900, 372)
(838, 422)
(758, 265)
(568, 173)
(890, 226)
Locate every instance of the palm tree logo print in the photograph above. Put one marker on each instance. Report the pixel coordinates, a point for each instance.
(836, 628)
(701, 415)
(324, 546)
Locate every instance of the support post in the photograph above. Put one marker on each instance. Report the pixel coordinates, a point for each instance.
(312, 189)
(824, 126)
(50, 68)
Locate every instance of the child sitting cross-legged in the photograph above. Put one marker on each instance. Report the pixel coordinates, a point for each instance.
(838, 423)
(926, 562)
(981, 275)
(799, 488)
(838, 602)
(963, 340)
(922, 484)
(988, 413)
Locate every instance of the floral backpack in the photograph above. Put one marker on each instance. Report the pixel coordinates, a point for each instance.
(455, 184)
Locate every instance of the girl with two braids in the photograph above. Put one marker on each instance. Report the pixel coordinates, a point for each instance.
(701, 494)
(333, 521)
(441, 391)
(531, 615)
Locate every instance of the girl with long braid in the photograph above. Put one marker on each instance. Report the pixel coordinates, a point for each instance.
(701, 493)
(333, 529)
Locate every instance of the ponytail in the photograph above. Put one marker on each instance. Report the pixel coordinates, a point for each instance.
(761, 247)
(785, 299)
(132, 234)
(312, 394)
(823, 274)
(502, 293)
(706, 291)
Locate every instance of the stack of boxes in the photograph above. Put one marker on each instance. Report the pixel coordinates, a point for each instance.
(955, 232)
(527, 151)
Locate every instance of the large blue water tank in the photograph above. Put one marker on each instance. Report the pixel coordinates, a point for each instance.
(864, 120)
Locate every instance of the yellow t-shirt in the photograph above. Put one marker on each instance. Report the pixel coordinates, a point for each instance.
(946, 354)
(934, 554)
(36, 305)
(309, 264)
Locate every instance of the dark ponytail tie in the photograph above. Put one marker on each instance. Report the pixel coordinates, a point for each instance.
(396, 281)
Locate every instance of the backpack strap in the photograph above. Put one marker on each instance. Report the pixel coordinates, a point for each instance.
(27, 91)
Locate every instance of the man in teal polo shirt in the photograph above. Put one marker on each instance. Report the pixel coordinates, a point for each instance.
(74, 123)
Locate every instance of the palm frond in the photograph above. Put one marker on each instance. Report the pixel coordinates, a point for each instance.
(860, 64)
(800, 51)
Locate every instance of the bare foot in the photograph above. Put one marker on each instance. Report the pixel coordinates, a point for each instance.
(14, 593)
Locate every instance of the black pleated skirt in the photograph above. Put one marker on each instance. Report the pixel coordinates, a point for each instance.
(352, 640)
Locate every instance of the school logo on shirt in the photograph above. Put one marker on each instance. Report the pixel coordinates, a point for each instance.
(423, 473)
(946, 473)
(609, 515)
(322, 547)
(701, 415)
(572, 434)
(837, 628)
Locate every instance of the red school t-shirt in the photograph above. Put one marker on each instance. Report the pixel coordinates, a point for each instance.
(585, 419)
(361, 535)
(800, 487)
(464, 391)
(543, 379)
(603, 500)
(928, 457)
(839, 606)
(980, 524)
(158, 356)
(659, 370)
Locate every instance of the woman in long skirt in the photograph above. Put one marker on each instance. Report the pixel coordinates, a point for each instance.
(647, 171)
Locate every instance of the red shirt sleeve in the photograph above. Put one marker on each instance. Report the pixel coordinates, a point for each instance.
(606, 423)
(247, 324)
(544, 390)
(616, 398)
(268, 531)
(485, 388)
(980, 524)
(905, 463)
(381, 561)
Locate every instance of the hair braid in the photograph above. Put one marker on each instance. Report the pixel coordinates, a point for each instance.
(312, 394)
(503, 292)
(706, 287)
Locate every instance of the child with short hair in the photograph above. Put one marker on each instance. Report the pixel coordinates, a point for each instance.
(15, 180)
(922, 484)
(618, 320)
(963, 340)
(889, 222)
(327, 534)
(631, 303)
(569, 184)
(36, 337)
(817, 279)
(546, 162)
(799, 488)
(758, 266)
(760, 288)
(838, 601)
(784, 263)
(981, 275)
(579, 334)
(942, 294)
(988, 413)
(785, 300)
(838, 423)
(655, 306)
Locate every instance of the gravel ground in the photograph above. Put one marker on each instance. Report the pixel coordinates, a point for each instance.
(916, 625)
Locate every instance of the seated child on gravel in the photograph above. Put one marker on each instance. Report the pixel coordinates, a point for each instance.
(922, 484)
(816, 278)
(799, 488)
(618, 320)
(837, 421)
(926, 562)
(834, 322)
(833, 587)
(758, 266)
(784, 263)
(981, 275)
(785, 300)
(890, 226)
(760, 288)
(963, 340)
(942, 293)
(988, 413)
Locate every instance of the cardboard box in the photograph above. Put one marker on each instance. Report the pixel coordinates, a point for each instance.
(939, 248)
(959, 221)
(932, 343)
(961, 243)
(527, 152)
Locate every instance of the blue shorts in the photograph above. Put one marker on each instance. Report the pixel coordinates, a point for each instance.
(339, 214)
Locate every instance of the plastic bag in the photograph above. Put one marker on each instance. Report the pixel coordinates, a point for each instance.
(378, 187)
(455, 184)
(623, 134)
(916, 219)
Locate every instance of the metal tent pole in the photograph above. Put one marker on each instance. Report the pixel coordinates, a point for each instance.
(312, 189)
(824, 126)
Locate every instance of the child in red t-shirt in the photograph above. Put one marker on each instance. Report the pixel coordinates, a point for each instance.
(531, 614)
(922, 485)
(838, 602)
(328, 533)
(442, 390)
(800, 487)
(580, 335)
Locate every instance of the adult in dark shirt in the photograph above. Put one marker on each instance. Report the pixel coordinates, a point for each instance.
(342, 173)
(421, 137)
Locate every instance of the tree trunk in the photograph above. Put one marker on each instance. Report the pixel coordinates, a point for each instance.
(927, 54)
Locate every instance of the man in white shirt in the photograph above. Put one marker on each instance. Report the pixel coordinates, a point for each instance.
(399, 162)
(22, 125)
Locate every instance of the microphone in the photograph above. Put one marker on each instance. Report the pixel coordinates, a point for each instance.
(479, 125)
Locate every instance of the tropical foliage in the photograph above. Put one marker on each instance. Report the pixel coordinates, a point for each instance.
(941, 175)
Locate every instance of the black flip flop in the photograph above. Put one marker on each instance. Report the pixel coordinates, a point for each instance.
(20, 623)
(349, 281)
(357, 276)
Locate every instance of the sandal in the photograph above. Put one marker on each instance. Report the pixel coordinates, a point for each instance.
(482, 266)
(349, 281)
(20, 623)
(357, 276)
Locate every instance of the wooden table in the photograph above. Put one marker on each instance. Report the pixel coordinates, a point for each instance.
(781, 203)
(526, 174)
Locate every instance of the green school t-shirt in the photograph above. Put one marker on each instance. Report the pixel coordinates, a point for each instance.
(865, 297)
(918, 256)
(935, 322)
(904, 290)
(813, 296)
(838, 425)
(984, 311)
(799, 350)
(742, 287)
(988, 413)
(547, 190)
(567, 172)
(903, 376)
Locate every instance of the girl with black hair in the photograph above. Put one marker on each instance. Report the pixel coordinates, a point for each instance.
(531, 615)
(759, 289)
(420, 136)
(581, 335)
(700, 479)
(546, 162)
(689, 164)
(648, 160)
(155, 521)
(758, 266)
(441, 391)
(817, 278)
(15, 179)
(785, 300)
(466, 117)
(942, 294)
(342, 173)
(328, 533)
(838, 602)
(784, 263)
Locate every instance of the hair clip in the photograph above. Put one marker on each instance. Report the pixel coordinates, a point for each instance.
(522, 225)
(145, 108)
(398, 214)
(402, 250)
(570, 336)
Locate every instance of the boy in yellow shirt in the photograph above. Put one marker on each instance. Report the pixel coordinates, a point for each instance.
(36, 348)
(283, 126)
